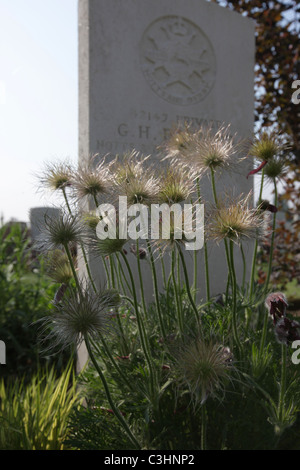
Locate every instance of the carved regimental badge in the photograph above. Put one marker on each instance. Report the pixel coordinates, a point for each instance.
(178, 60)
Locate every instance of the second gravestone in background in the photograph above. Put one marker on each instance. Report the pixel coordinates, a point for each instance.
(146, 65)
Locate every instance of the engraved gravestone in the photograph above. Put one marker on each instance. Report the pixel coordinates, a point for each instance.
(146, 66)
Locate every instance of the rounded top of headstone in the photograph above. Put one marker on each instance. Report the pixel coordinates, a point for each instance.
(178, 60)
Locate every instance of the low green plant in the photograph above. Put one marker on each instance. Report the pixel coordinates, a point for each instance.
(34, 415)
(26, 294)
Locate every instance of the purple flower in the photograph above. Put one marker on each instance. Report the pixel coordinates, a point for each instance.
(287, 330)
(276, 303)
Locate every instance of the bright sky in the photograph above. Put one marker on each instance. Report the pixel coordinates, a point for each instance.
(38, 96)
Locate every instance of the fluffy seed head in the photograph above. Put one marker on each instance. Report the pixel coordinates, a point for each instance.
(134, 179)
(181, 143)
(103, 247)
(204, 368)
(216, 149)
(59, 232)
(235, 220)
(267, 146)
(57, 176)
(176, 185)
(205, 149)
(58, 267)
(79, 315)
(92, 180)
(275, 168)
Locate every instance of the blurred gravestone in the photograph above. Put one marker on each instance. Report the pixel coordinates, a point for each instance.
(38, 216)
(2, 353)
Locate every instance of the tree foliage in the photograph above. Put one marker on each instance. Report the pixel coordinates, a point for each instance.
(277, 63)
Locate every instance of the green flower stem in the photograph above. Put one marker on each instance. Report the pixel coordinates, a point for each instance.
(229, 279)
(141, 278)
(195, 275)
(206, 273)
(213, 185)
(282, 382)
(207, 282)
(142, 333)
(234, 297)
(122, 276)
(116, 411)
(157, 303)
(179, 281)
(67, 201)
(203, 427)
(244, 265)
(265, 325)
(264, 331)
(66, 247)
(272, 239)
(111, 358)
(81, 245)
(178, 309)
(163, 268)
(187, 285)
(256, 242)
(106, 271)
(112, 272)
(88, 267)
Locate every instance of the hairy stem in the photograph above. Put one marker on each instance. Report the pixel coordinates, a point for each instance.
(282, 381)
(187, 285)
(81, 245)
(141, 329)
(256, 242)
(116, 411)
(178, 309)
(272, 239)
(234, 297)
(156, 294)
(141, 278)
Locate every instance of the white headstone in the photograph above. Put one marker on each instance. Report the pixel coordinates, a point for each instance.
(146, 65)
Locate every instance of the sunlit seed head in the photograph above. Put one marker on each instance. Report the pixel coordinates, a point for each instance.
(217, 149)
(57, 176)
(267, 146)
(92, 180)
(206, 149)
(124, 168)
(180, 143)
(176, 185)
(134, 178)
(234, 219)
